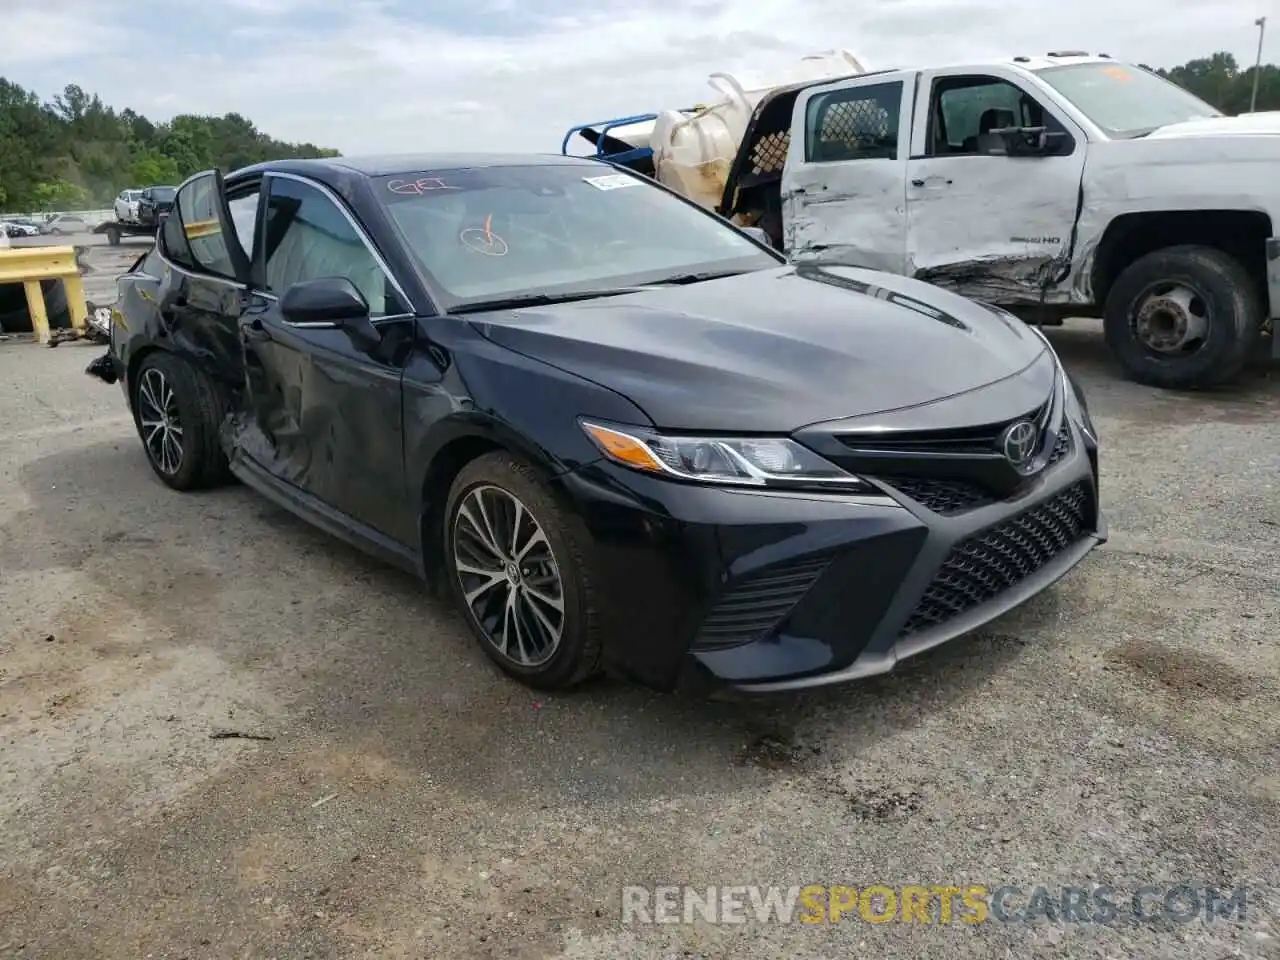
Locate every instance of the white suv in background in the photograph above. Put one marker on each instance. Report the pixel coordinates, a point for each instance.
(126, 205)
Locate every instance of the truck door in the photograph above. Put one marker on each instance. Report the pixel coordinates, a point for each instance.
(844, 186)
(984, 220)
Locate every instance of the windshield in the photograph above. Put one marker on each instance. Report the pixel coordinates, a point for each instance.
(491, 233)
(1125, 101)
(162, 193)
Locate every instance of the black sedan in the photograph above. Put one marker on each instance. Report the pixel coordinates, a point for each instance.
(154, 203)
(621, 432)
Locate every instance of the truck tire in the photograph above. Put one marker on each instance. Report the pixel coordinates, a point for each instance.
(1183, 318)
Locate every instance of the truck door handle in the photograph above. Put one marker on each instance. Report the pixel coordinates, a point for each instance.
(921, 182)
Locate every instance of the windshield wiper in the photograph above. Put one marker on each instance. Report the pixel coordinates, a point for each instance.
(680, 279)
(541, 299)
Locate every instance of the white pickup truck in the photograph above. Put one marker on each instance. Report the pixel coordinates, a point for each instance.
(1054, 186)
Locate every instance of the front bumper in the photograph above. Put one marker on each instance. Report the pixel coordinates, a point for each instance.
(1273, 291)
(767, 591)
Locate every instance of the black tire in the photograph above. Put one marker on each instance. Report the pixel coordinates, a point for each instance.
(199, 407)
(113, 236)
(1229, 298)
(576, 657)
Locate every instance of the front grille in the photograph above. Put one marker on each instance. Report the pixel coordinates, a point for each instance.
(980, 440)
(945, 497)
(951, 498)
(756, 604)
(1062, 447)
(987, 564)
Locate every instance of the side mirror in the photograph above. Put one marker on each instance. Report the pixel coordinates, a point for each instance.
(758, 235)
(331, 302)
(1027, 141)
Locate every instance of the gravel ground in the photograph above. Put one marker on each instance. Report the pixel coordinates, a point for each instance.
(410, 802)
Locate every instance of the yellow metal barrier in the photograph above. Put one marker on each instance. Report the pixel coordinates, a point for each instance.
(30, 265)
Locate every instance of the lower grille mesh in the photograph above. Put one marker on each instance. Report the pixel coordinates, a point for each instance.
(756, 604)
(989, 563)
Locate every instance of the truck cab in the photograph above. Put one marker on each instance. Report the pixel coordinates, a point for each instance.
(1055, 186)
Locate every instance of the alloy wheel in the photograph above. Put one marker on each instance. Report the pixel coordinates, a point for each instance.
(158, 418)
(509, 576)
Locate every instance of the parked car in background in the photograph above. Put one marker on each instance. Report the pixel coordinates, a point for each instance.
(622, 432)
(126, 206)
(154, 203)
(17, 228)
(64, 223)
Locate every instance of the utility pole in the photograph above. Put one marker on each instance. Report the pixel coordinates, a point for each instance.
(1261, 24)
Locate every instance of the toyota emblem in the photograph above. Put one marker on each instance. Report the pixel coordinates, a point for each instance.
(1019, 443)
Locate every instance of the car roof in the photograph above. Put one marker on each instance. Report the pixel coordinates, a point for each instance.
(384, 165)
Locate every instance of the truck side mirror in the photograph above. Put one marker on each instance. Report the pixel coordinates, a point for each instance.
(1026, 141)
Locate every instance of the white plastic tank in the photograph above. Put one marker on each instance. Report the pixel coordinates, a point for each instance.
(693, 152)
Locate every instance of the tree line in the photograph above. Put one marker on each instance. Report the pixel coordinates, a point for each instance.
(1220, 81)
(76, 152)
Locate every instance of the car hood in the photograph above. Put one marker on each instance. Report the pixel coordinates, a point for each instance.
(774, 350)
(1246, 125)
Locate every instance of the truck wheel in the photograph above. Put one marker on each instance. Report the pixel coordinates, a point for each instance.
(1183, 318)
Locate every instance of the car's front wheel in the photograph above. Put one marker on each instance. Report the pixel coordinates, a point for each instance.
(178, 411)
(1183, 318)
(519, 567)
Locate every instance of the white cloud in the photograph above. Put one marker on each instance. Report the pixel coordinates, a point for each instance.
(377, 76)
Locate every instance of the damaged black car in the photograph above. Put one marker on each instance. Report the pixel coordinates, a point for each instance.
(621, 432)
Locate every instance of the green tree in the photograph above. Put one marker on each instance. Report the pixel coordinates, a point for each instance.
(76, 151)
(60, 195)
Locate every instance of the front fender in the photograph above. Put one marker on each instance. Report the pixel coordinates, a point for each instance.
(464, 395)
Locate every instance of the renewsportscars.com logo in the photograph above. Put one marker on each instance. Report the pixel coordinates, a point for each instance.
(932, 904)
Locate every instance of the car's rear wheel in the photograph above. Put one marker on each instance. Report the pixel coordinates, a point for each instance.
(519, 567)
(178, 411)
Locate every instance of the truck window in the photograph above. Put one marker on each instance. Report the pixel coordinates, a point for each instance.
(963, 108)
(1125, 101)
(856, 123)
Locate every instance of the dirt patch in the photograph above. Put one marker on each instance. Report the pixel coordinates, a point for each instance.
(775, 750)
(873, 803)
(1186, 674)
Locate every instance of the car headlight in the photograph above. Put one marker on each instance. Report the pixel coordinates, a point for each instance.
(1076, 404)
(747, 461)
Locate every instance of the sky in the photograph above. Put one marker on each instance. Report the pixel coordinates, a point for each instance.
(388, 76)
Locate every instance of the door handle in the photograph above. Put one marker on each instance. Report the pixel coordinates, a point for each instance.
(919, 182)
